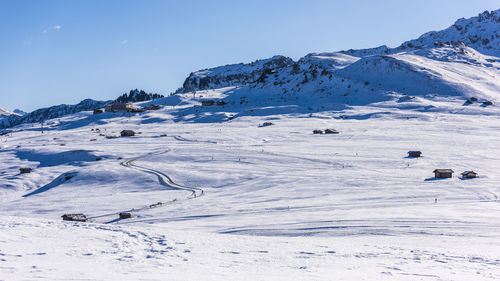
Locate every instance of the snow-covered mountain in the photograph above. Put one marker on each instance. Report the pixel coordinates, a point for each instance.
(5, 112)
(20, 112)
(458, 65)
(5, 115)
(50, 112)
(481, 33)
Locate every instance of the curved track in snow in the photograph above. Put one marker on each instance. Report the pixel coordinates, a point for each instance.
(163, 179)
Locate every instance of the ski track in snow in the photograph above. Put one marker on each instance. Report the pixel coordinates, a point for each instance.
(163, 179)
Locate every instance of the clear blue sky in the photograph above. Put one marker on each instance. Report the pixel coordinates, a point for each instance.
(55, 52)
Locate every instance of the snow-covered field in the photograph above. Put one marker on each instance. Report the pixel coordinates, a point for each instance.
(245, 202)
(216, 195)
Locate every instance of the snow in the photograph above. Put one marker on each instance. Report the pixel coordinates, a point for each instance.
(49, 250)
(277, 198)
(481, 33)
(214, 195)
(331, 60)
(426, 71)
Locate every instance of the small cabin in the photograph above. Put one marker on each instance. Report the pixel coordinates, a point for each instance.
(317, 132)
(207, 102)
(74, 217)
(98, 111)
(331, 131)
(443, 173)
(125, 216)
(469, 175)
(25, 170)
(265, 124)
(127, 133)
(414, 153)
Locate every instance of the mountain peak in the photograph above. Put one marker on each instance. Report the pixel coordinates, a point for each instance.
(481, 33)
(5, 112)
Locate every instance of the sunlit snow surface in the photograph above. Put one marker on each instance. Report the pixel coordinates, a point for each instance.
(279, 202)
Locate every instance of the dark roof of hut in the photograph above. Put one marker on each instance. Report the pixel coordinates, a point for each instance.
(444, 171)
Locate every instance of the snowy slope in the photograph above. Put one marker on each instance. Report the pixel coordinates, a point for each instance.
(51, 250)
(440, 71)
(331, 61)
(443, 71)
(278, 198)
(481, 33)
(440, 79)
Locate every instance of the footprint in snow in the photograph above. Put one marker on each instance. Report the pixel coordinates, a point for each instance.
(307, 253)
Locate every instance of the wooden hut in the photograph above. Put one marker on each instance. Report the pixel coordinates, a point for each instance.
(317, 131)
(207, 103)
(443, 173)
(469, 175)
(74, 217)
(331, 131)
(25, 170)
(125, 215)
(414, 153)
(127, 133)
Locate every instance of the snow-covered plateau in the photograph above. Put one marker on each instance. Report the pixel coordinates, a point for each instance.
(225, 179)
(278, 202)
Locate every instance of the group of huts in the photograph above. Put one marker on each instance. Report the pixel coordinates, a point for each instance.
(326, 131)
(125, 107)
(443, 173)
(212, 102)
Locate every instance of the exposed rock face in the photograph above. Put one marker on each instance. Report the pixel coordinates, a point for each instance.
(232, 75)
